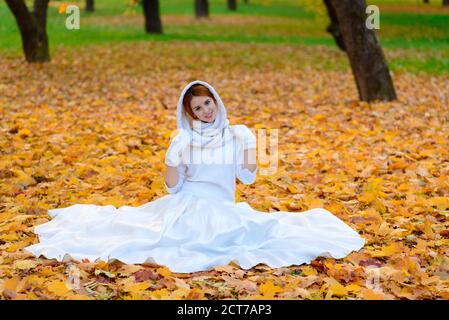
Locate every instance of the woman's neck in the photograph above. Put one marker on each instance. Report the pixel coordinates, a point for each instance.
(205, 124)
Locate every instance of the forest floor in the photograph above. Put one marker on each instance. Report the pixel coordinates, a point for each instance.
(92, 126)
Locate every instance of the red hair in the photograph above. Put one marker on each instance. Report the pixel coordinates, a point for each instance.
(195, 90)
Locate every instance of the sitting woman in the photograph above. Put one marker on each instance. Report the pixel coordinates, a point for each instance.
(198, 225)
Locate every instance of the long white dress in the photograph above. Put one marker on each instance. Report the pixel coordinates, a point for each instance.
(198, 225)
(195, 227)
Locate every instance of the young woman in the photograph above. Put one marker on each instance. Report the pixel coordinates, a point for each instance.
(198, 225)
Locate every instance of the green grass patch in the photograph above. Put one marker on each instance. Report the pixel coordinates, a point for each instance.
(286, 22)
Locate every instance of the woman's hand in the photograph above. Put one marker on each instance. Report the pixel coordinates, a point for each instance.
(171, 176)
(244, 134)
(174, 153)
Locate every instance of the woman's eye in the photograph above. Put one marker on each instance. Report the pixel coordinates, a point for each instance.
(207, 102)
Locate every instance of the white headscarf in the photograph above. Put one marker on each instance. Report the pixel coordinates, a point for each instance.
(205, 135)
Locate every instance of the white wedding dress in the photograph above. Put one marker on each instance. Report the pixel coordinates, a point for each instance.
(197, 226)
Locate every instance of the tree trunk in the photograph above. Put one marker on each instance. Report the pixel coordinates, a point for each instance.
(232, 5)
(152, 17)
(445, 2)
(333, 28)
(365, 54)
(201, 8)
(33, 28)
(90, 6)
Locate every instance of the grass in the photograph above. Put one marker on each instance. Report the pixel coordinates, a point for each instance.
(405, 24)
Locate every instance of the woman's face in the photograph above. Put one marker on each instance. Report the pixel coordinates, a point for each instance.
(204, 108)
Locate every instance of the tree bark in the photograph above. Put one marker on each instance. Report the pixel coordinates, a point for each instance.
(152, 17)
(90, 6)
(367, 60)
(333, 28)
(201, 8)
(33, 28)
(232, 5)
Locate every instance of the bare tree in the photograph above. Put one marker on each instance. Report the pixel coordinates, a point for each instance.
(90, 6)
(232, 5)
(367, 60)
(152, 17)
(33, 28)
(333, 28)
(201, 8)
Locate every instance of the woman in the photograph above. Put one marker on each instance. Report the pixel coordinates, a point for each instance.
(198, 225)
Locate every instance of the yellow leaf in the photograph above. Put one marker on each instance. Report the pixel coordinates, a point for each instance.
(428, 227)
(24, 264)
(11, 284)
(137, 287)
(110, 169)
(102, 145)
(179, 294)
(314, 203)
(46, 271)
(292, 188)
(78, 296)
(35, 281)
(103, 265)
(386, 251)
(24, 179)
(353, 287)
(403, 187)
(159, 294)
(195, 294)
(62, 8)
(12, 248)
(383, 230)
(369, 294)
(338, 290)
(367, 197)
(10, 237)
(441, 203)
(309, 271)
(268, 289)
(24, 132)
(58, 287)
(164, 271)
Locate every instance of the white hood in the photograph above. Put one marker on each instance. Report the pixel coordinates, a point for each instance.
(184, 121)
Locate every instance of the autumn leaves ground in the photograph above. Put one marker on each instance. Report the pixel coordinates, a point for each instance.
(92, 126)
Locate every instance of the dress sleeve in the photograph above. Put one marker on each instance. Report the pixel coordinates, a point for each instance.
(181, 171)
(243, 174)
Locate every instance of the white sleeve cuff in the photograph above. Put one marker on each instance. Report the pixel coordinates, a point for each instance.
(246, 176)
(178, 185)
